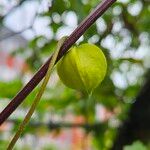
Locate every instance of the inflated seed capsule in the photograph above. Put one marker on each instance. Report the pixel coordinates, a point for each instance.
(83, 67)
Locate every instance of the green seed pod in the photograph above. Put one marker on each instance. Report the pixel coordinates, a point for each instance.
(83, 67)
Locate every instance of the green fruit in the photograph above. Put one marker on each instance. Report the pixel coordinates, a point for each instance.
(83, 67)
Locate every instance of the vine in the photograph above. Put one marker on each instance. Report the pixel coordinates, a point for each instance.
(78, 32)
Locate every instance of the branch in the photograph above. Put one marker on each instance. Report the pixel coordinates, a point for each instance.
(128, 24)
(79, 31)
(108, 30)
(11, 34)
(57, 125)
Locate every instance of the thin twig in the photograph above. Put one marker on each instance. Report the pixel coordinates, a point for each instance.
(38, 96)
(57, 125)
(78, 32)
(11, 34)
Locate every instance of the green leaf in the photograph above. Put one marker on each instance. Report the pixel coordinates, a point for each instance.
(135, 146)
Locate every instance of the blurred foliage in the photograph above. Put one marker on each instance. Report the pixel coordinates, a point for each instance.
(136, 146)
(121, 32)
(9, 89)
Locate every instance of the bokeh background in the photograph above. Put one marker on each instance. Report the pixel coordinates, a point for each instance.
(119, 113)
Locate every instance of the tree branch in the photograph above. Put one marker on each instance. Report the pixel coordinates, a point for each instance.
(79, 31)
(57, 125)
(11, 34)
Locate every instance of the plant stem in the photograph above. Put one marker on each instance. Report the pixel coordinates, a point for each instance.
(78, 32)
(38, 96)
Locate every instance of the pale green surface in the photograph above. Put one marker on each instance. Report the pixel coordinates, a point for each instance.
(135, 146)
(83, 67)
